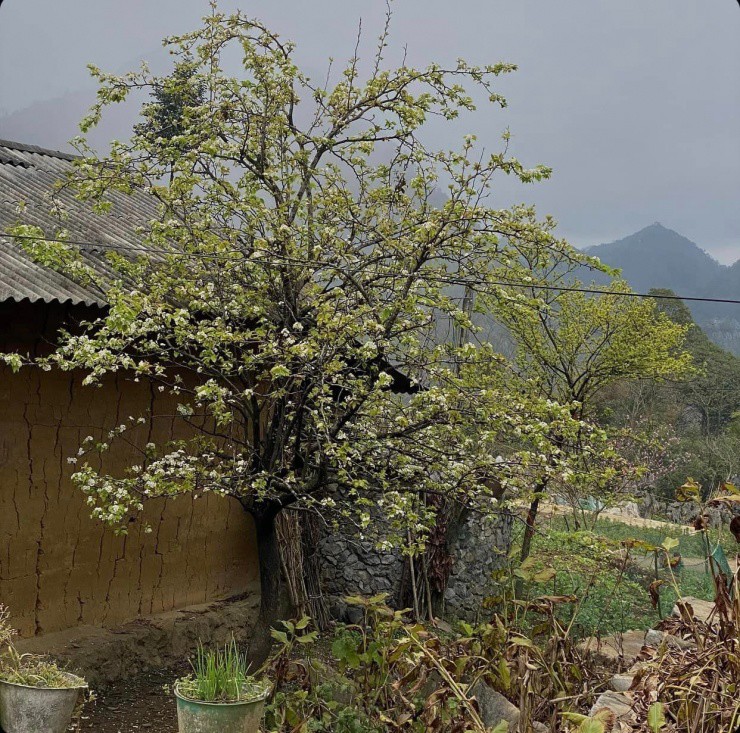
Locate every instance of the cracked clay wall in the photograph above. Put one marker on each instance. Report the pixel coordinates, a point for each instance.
(58, 567)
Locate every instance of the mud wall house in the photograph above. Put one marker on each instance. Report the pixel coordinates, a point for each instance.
(58, 567)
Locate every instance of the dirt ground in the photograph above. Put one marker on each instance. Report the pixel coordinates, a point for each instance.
(138, 704)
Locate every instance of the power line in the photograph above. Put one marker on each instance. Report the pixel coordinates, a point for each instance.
(596, 291)
(127, 247)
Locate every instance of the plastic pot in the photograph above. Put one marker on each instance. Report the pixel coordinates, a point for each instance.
(25, 709)
(194, 716)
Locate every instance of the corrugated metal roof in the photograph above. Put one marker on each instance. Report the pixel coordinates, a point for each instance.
(28, 175)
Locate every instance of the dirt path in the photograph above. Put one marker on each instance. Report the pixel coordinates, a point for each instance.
(134, 705)
(642, 522)
(630, 519)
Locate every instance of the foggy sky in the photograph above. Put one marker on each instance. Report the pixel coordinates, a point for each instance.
(634, 103)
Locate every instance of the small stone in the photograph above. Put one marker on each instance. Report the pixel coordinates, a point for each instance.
(617, 702)
(443, 625)
(338, 610)
(494, 707)
(656, 638)
(355, 615)
(625, 647)
(621, 682)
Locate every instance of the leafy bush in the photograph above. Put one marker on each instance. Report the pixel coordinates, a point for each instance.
(390, 673)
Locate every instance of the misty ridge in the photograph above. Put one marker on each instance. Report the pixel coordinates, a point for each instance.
(658, 257)
(52, 122)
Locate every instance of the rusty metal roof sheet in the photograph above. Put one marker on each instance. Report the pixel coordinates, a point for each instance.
(28, 195)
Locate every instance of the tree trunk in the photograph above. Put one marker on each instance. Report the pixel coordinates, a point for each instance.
(529, 529)
(268, 550)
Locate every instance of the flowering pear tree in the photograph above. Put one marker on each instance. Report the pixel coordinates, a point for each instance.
(290, 288)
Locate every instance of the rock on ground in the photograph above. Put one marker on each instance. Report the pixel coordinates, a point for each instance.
(617, 702)
(621, 682)
(611, 649)
(656, 638)
(494, 708)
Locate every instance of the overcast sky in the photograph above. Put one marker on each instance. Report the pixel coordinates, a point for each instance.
(634, 103)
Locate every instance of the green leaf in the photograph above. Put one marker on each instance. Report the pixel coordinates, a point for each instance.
(590, 725)
(545, 575)
(522, 641)
(656, 717)
(669, 543)
(502, 727)
(280, 636)
(529, 563)
(690, 491)
(504, 674)
(307, 638)
(344, 649)
(574, 717)
(467, 629)
(279, 370)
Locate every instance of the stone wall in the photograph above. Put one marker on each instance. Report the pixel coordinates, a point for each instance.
(354, 567)
(351, 566)
(480, 549)
(58, 567)
(652, 507)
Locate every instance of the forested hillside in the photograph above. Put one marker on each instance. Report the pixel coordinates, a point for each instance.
(698, 416)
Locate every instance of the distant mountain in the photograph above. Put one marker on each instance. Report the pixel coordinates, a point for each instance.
(657, 257)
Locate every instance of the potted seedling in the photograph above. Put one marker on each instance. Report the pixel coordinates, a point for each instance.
(220, 696)
(36, 695)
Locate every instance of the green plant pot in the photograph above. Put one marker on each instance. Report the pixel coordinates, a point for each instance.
(219, 717)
